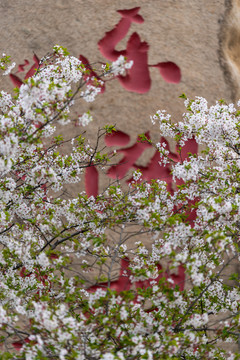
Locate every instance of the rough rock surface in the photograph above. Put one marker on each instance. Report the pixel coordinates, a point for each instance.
(199, 36)
(184, 32)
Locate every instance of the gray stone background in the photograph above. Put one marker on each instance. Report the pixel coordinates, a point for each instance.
(185, 32)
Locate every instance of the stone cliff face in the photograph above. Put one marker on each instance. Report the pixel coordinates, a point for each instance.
(177, 47)
(229, 49)
(185, 33)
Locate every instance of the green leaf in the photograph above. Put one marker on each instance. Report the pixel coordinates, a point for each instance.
(183, 96)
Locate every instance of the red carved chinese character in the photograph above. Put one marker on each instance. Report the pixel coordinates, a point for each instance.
(123, 283)
(91, 181)
(117, 138)
(108, 43)
(175, 279)
(16, 80)
(138, 77)
(153, 170)
(131, 154)
(156, 171)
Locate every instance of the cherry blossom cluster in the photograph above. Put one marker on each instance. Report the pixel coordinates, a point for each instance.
(128, 275)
